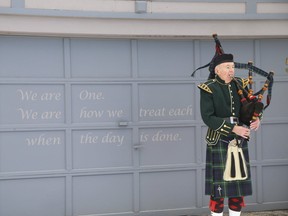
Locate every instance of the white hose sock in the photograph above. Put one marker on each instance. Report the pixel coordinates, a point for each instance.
(216, 214)
(234, 213)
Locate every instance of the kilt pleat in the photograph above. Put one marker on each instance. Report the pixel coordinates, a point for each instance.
(215, 166)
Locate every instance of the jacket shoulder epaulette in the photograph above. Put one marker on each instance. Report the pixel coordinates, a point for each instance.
(205, 86)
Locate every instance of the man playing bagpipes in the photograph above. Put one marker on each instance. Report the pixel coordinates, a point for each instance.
(230, 111)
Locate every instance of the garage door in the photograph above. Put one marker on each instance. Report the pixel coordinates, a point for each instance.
(112, 126)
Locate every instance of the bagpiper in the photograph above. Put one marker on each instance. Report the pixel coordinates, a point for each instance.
(230, 111)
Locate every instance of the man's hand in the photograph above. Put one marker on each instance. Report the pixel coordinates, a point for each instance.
(241, 131)
(255, 124)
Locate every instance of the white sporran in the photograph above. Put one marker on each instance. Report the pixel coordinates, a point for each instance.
(235, 168)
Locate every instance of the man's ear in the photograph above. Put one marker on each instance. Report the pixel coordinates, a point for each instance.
(216, 69)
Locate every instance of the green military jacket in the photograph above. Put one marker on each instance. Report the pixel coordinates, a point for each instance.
(218, 102)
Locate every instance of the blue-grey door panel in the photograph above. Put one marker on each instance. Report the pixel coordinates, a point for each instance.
(24, 151)
(96, 58)
(274, 150)
(102, 148)
(166, 102)
(92, 126)
(37, 196)
(167, 190)
(278, 108)
(163, 146)
(32, 104)
(102, 194)
(101, 103)
(275, 190)
(168, 59)
(31, 57)
(274, 56)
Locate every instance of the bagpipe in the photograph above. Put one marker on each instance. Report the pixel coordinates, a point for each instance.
(252, 106)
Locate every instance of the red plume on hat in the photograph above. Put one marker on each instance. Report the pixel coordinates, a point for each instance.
(218, 52)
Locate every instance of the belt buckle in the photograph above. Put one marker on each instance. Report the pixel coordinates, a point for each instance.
(233, 120)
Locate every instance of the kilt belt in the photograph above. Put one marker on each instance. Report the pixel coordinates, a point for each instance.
(232, 120)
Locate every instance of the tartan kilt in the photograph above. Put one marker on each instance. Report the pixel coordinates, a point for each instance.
(215, 166)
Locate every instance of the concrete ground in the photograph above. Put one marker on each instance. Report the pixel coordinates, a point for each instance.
(264, 213)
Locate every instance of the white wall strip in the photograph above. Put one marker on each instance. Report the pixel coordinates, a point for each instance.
(83, 5)
(5, 3)
(271, 8)
(196, 7)
(140, 28)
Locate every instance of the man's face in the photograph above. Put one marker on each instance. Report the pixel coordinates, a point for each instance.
(225, 71)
